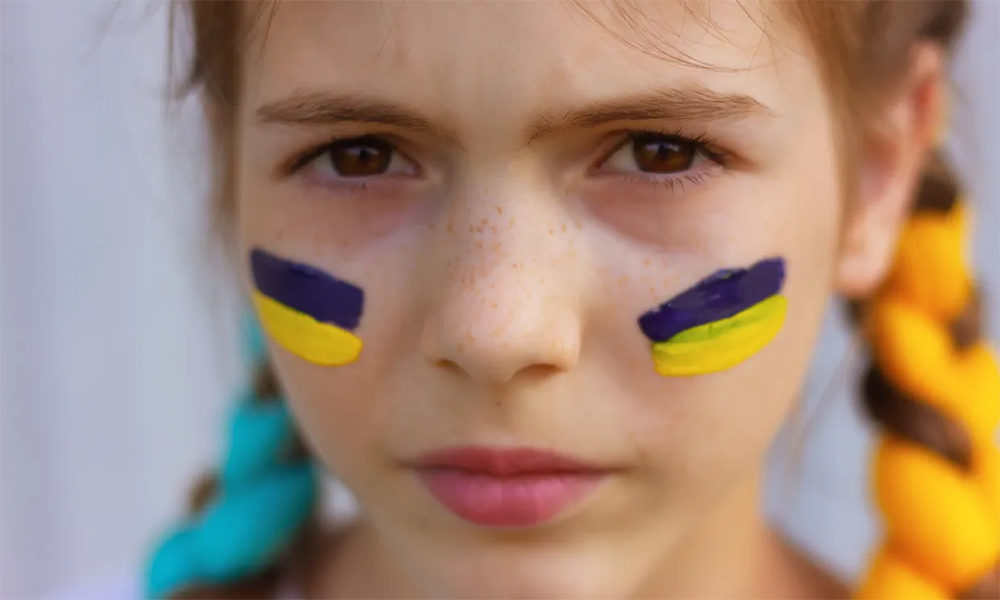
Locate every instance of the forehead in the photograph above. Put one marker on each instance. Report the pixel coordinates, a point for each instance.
(460, 61)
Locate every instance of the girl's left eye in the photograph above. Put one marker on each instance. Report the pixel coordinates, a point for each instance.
(655, 154)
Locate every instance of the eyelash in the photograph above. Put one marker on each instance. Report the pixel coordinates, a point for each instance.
(703, 147)
(300, 162)
(304, 159)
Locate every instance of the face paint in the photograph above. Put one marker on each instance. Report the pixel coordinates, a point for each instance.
(310, 313)
(719, 322)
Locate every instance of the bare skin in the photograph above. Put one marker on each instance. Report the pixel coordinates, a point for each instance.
(506, 250)
(757, 563)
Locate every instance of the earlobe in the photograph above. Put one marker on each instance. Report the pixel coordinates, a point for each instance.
(866, 254)
(888, 176)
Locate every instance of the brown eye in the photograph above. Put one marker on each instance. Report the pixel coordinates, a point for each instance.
(361, 157)
(660, 154)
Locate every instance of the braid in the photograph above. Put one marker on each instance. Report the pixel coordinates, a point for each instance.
(245, 520)
(933, 388)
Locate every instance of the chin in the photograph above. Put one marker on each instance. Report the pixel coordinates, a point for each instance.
(526, 570)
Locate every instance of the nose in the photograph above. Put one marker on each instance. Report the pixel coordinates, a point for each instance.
(510, 296)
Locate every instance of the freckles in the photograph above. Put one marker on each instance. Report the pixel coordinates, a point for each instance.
(719, 322)
(308, 312)
(323, 238)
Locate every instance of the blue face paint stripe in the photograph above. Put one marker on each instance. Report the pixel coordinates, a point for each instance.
(721, 295)
(307, 290)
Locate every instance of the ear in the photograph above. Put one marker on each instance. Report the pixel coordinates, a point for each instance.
(888, 174)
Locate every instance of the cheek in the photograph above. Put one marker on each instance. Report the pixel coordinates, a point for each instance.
(335, 421)
(336, 386)
(701, 434)
(345, 412)
(718, 323)
(706, 429)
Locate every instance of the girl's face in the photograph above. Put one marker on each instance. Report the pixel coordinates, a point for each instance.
(512, 186)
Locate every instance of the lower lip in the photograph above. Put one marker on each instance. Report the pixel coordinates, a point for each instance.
(507, 501)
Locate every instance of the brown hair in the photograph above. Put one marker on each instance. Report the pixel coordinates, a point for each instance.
(864, 50)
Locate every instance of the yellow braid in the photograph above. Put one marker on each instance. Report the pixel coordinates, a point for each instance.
(942, 520)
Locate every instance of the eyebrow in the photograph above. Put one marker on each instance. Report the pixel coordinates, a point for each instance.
(323, 108)
(692, 103)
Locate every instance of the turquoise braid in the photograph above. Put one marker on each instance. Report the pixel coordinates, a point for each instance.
(267, 493)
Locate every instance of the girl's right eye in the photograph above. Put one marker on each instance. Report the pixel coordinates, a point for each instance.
(357, 158)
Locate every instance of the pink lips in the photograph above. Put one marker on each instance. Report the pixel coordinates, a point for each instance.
(518, 487)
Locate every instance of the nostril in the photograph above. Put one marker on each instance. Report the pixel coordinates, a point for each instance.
(539, 371)
(448, 365)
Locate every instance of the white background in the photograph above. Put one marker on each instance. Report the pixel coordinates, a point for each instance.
(116, 332)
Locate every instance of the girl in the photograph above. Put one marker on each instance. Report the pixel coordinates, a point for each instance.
(540, 281)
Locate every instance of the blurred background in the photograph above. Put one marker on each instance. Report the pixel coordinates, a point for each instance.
(119, 327)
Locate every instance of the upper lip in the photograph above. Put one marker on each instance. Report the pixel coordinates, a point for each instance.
(504, 461)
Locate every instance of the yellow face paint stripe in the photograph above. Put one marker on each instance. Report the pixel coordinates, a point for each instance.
(722, 344)
(304, 336)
